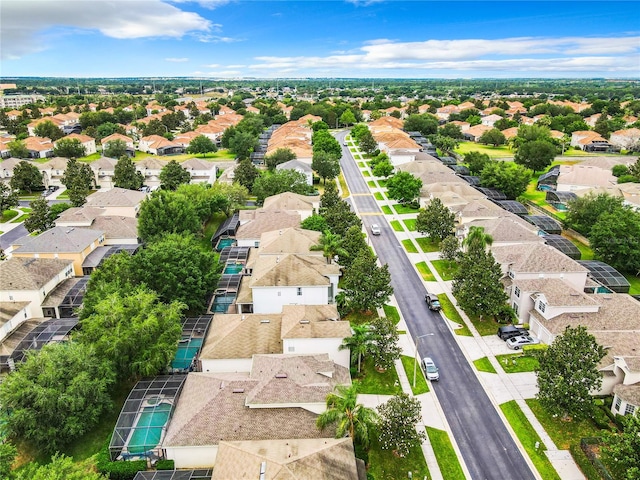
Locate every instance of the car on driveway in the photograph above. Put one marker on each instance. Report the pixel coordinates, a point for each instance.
(508, 331)
(375, 229)
(430, 369)
(516, 343)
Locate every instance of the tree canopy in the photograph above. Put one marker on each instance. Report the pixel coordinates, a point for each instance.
(621, 451)
(26, 177)
(69, 148)
(583, 212)
(125, 174)
(383, 345)
(78, 178)
(535, 155)
(246, 173)
(476, 161)
(615, 239)
(48, 129)
(8, 197)
(173, 175)
(509, 178)
(493, 137)
(403, 187)
(280, 181)
(366, 286)
(326, 165)
(399, 417)
(60, 468)
(39, 219)
(164, 212)
(436, 220)
(115, 149)
(425, 123)
(281, 155)
(201, 145)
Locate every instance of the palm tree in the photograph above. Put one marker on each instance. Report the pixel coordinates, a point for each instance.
(351, 418)
(358, 343)
(331, 245)
(477, 238)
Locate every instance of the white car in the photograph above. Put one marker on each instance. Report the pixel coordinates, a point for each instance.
(430, 369)
(516, 343)
(375, 229)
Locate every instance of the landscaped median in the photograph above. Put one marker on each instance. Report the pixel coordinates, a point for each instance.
(445, 454)
(452, 314)
(484, 365)
(410, 366)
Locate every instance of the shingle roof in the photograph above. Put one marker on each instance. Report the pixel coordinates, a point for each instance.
(289, 240)
(313, 321)
(29, 273)
(537, 258)
(291, 201)
(557, 292)
(628, 393)
(295, 165)
(424, 166)
(303, 459)
(267, 221)
(59, 240)
(292, 270)
(116, 226)
(116, 197)
(508, 228)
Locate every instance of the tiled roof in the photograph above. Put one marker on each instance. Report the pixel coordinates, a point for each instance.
(116, 136)
(29, 273)
(38, 144)
(59, 240)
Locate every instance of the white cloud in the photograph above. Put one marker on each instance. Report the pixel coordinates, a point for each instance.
(205, 3)
(176, 60)
(24, 21)
(207, 38)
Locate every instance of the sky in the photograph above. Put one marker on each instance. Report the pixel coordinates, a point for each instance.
(320, 39)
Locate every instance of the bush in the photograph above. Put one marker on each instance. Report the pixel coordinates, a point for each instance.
(600, 419)
(118, 470)
(529, 348)
(583, 462)
(165, 465)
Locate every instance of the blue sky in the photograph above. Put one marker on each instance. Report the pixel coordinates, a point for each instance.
(297, 39)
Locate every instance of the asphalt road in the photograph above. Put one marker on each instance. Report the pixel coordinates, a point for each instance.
(12, 235)
(488, 450)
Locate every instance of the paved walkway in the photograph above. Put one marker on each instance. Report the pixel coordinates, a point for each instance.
(501, 387)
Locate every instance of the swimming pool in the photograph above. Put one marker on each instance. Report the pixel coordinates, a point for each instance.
(233, 268)
(185, 354)
(221, 302)
(225, 242)
(147, 432)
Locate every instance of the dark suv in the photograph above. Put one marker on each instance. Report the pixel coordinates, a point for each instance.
(509, 331)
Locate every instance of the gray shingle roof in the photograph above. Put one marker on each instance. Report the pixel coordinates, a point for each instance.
(266, 221)
(116, 197)
(537, 258)
(59, 240)
(29, 273)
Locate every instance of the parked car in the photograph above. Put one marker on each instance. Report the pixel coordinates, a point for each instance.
(432, 301)
(430, 369)
(375, 229)
(516, 343)
(509, 331)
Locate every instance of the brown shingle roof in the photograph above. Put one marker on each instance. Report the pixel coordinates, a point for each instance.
(537, 258)
(59, 240)
(628, 393)
(29, 273)
(291, 201)
(116, 197)
(289, 240)
(313, 321)
(292, 270)
(266, 221)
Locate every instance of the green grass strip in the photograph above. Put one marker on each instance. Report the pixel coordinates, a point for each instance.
(409, 363)
(386, 209)
(517, 363)
(484, 365)
(386, 465)
(410, 224)
(403, 209)
(378, 196)
(452, 314)
(424, 270)
(372, 184)
(445, 268)
(409, 246)
(445, 454)
(528, 438)
(396, 225)
(427, 245)
(372, 381)
(391, 313)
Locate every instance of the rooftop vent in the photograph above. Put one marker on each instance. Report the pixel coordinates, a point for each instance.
(238, 390)
(266, 320)
(304, 321)
(281, 375)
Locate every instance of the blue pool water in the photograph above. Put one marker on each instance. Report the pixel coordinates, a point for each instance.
(225, 242)
(221, 302)
(233, 268)
(148, 429)
(185, 354)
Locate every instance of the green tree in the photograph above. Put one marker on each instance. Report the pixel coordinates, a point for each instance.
(615, 239)
(8, 455)
(584, 212)
(26, 177)
(246, 173)
(330, 197)
(206, 201)
(436, 220)
(399, 417)
(619, 170)
(493, 137)
(568, 372)
(340, 218)
(602, 125)
(48, 129)
(164, 212)
(353, 242)
(134, 331)
(78, 178)
(383, 169)
(325, 165)
(281, 155)
(426, 124)
(404, 187)
(383, 347)
(173, 175)
(39, 219)
(476, 161)
(323, 140)
(366, 286)
(235, 194)
(450, 248)
(445, 144)
(189, 273)
(347, 118)
(477, 238)
(243, 143)
(17, 149)
(330, 245)
(56, 210)
(357, 343)
(367, 143)
(57, 395)
(535, 155)
(621, 451)
(115, 149)
(314, 222)
(69, 148)
(8, 198)
(507, 177)
(451, 130)
(349, 417)
(125, 174)
(280, 181)
(201, 145)
(60, 468)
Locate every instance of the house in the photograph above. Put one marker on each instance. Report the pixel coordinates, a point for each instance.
(150, 168)
(626, 398)
(278, 400)
(578, 177)
(628, 139)
(128, 141)
(476, 209)
(7, 166)
(253, 223)
(288, 240)
(117, 202)
(118, 229)
(104, 170)
(24, 286)
(590, 141)
(157, 145)
(508, 229)
(474, 133)
(303, 205)
(300, 167)
(212, 130)
(86, 141)
(31, 127)
(490, 120)
(424, 164)
(201, 171)
(5, 140)
(53, 171)
(39, 147)
(65, 243)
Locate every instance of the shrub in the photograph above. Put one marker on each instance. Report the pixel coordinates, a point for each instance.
(583, 462)
(118, 470)
(165, 465)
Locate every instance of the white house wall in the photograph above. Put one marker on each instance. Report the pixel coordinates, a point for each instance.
(226, 365)
(18, 319)
(329, 346)
(192, 457)
(271, 299)
(576, 279)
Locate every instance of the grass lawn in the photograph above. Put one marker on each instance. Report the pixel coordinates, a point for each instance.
(585, 251)
(484, 365)
(361, 165)
(424, 270)
(359, 318)
(428, 245)
(21, 218)
(378, 196)
(452, 314)
(445, 454)
(409, 246)
(493, 152)
(372, 184)
(382, 183)
(445, 268)
(209, 229)
(91, 158)
(409, 363)
(386, 209)
(517, 362)
(396, 225)
(8, 215)
(410, 224)
(402, 209)
(385, 465)
(343, 186)
(372, 381)
(486, 326)
(528, 438)
(635, 284)
(391, 313)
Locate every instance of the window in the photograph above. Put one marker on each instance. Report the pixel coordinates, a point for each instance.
(299, 291)
(630, 409)
(517, 292)
(618, 403)
(515, 308)
(542, 306)
(291, 349)
(511, 274)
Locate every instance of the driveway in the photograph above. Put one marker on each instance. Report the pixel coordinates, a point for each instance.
(486, 446)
